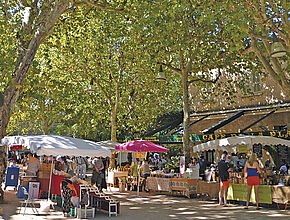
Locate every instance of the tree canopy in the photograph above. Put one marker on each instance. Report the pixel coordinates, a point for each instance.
(61, 46)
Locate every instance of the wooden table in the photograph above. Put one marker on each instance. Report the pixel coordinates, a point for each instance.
(115, 174)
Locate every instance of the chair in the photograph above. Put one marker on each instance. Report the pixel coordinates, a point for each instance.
(88, 211)
(27, 200)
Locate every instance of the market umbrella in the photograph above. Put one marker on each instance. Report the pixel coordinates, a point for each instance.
(141, 146)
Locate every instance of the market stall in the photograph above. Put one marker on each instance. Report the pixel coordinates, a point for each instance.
(139, 147)
(55, 145)
(271, 180)
(114, 172)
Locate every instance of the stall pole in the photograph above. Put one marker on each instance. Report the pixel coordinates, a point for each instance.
(50, 177)
(138, 181)
(120, 159)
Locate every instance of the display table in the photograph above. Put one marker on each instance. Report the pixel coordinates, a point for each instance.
(209, 188)
(239, 192)
(281, 195)
(115, 174)
(185, 186)
(158, 184)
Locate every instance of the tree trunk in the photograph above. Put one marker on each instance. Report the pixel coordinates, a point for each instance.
(27, 49)
(186, 117)
(114, 124)
(279, 77)
(114, 114)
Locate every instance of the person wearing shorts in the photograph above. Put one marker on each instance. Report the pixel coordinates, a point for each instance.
(223, 169)
(251, 172)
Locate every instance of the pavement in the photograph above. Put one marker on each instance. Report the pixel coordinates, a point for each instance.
(151, 206)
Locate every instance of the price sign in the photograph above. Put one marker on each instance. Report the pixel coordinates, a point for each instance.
(141, 155)
(243, 148)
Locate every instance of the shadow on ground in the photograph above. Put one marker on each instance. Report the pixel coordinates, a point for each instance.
(155, 207)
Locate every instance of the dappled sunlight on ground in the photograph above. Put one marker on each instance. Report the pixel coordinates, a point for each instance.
(151, 206)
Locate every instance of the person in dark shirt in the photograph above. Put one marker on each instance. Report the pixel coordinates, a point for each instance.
(202, 166)
(223, 169)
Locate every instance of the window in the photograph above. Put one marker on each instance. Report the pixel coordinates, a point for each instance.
(257, 87)
(251, 84)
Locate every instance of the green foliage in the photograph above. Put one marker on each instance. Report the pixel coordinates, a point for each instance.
(8, 43)
(92, 45)
(122, 54)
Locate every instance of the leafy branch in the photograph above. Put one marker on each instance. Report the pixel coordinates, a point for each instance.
(206, 80)
(105, 6)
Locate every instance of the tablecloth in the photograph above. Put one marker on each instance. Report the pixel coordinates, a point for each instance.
(281, 194)
(55, 185)
(158, 184)
(239, 192)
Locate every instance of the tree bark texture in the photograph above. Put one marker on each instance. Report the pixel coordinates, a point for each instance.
(186, 117)
(114, 114)
(30, 37)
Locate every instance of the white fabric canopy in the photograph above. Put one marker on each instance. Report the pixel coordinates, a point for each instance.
(231, 144)
(59, 145)
(109, 144)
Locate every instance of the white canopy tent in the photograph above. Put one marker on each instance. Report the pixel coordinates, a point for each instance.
(109, 144)
(58, 145)
(231, 144)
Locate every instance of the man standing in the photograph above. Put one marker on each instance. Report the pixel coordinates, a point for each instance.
(33, 165)
(98, 176)
(223, 168)
(202, 167)
(81, 167)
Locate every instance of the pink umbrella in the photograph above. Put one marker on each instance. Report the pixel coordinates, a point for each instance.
(141, 146)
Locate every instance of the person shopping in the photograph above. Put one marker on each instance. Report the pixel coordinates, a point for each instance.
(67, 190)
(223, 169)
(251, 172)
(33, 165)
(98, 176)
(145, 172)
(81, 167)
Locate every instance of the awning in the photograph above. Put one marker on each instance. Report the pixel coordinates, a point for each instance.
(223, 122)
(231, 144)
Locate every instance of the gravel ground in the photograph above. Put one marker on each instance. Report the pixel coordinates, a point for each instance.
(152, 206)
